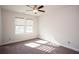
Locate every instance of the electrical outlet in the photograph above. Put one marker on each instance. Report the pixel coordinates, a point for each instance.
(69, 42)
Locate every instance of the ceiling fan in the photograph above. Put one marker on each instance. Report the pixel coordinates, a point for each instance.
(36, 8)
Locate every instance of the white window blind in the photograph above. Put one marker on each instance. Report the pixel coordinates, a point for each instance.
(23, 26)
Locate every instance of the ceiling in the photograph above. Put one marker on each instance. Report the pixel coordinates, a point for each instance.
(21, 9)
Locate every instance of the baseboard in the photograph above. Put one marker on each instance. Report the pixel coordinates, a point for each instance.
(67, 47)
(70, 47)
(15, 42)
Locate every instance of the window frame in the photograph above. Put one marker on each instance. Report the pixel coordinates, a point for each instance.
(25, 25)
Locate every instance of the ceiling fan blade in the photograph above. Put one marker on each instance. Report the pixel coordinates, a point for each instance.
(34, 7)
(29, 6)
(41, 10)
(40, 7)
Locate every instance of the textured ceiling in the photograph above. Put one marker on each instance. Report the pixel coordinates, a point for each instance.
(21, 9)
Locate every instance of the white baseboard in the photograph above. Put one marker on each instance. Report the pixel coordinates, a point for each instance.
(70, 47)
(75, 49)
(13, 42)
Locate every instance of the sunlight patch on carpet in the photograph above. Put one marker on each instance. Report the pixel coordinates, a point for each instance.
(42, 41)
(46, 48)
(33, 45)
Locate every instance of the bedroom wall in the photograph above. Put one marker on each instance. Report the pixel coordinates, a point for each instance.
(8, 27)
(0, 27)
(60, 25)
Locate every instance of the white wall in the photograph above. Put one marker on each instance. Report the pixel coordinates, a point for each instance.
(0, 27)
(60, 24)
(8, 27)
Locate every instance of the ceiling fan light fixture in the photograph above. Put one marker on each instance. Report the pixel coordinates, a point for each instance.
(35, 11)
(36, 8)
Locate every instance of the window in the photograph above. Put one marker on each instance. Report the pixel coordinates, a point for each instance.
(23, 26)
(29, 26)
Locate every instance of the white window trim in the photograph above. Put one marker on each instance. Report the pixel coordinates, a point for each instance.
(24, 27)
